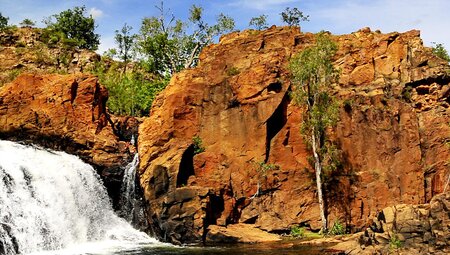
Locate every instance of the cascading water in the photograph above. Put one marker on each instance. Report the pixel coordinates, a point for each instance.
(52, 200)
(129, 203)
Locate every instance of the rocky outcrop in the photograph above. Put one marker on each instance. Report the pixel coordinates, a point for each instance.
(65, 112)
(406, 229)
(254, 168)
(24, 50)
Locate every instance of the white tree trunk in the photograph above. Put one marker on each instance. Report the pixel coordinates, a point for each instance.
(318, 170)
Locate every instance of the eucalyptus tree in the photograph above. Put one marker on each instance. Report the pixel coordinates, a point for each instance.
(168, 45)
(313, 75)
(293, 17)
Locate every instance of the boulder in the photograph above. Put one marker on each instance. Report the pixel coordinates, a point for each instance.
(419, 229)
(239, 233)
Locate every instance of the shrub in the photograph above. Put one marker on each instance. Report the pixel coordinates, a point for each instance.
(292, 17)
(407, 94)
(3, 22)
(297, 231)
(27, 23)
(198, 145)
(10, 76)
(439, 50)
(131, 93)
(337, 229)
(259, 22)
(232, 71)
(395, 242)
(76, 25)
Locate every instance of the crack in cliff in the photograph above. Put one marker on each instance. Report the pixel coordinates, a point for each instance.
(442, 79)
(276, 122)
(186, 168)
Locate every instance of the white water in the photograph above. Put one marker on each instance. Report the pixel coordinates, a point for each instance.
(128, 191)
(53, 201)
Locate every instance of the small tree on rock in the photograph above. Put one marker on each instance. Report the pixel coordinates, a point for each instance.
(3, 22)
(259, 22)
(439, 50)
(293, 17)
(27, 23)
(166, 45)
(76, 26)
(313, 75)
(125, 43)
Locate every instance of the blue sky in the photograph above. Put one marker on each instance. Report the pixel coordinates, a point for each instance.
(336, 16)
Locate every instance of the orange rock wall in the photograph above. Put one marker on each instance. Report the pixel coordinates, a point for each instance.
(64, 112)
(393, 126)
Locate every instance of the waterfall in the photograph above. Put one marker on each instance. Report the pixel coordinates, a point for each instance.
(130, 205)
(52, 200)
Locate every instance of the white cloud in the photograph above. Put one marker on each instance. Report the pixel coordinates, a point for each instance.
(262, 5)
(95, 13)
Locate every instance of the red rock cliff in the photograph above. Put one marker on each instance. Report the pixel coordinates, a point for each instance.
(64, 112)
(392, 133)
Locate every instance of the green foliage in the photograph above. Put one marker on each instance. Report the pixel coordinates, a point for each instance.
(125, 43)
(51, 37)
(27, 23)
(293, 17)
(262, 168)
(395, 243)
(337, 229)
(297, 231)
(167, 46)
(11, 75)
(3, 22)
(130, 93)
(232, 71)
(198, 145)
(439, 50)
(407, 94)
(313, 74)
(76, 26)
(259, 22)
(42, 57)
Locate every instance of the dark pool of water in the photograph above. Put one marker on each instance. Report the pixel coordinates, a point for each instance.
(279, 248)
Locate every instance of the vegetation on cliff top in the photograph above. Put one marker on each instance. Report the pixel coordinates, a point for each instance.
(75, 26)
(163, 46)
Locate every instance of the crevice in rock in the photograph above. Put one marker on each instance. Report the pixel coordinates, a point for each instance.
(73, 91)
(286, 138)
(423, 63)
(215, 208)
(439, 79)
(422, 148)
(186, 168)
(275, 87)
(251, 220)
(276, 122)
(392, 38)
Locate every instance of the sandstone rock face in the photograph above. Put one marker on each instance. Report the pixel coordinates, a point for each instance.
(64, 112)
(420, 229)
(254, 168)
